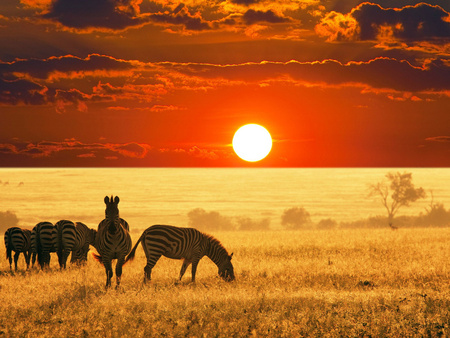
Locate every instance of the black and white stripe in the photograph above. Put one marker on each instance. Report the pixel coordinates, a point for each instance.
(44, 240)
(183, 243)
(84, 237)
(113, 240)
(19, 241)
(66, 241)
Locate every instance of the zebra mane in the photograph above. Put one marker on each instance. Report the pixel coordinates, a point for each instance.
(214, 242)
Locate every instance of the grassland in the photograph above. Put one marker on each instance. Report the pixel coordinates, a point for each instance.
(289, 284)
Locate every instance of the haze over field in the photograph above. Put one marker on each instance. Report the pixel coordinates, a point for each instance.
(171, 196)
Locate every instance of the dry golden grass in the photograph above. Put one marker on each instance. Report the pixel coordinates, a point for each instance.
(315, 283)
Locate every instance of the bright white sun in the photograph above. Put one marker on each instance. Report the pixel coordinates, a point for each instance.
(252, 142)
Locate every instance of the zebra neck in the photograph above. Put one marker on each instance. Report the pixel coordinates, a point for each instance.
(216, 253)
(113, 225)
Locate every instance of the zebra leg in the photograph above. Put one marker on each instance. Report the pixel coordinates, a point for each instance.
(151, 261)
(119, 264)
(185, 265)
(194, 268)
(16, 258)
(33, 260)
(10, 262)
(27, 258)
(109, 273)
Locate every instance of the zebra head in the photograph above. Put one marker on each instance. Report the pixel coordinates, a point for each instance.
(112, 213)
(226, 270)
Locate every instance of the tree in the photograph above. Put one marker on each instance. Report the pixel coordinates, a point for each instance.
(397, 192)
(210, 221)
(8, 219)
(295, 218)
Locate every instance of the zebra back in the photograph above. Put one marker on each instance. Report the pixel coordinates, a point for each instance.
(84, 237)
(44, 241)
(17, 239)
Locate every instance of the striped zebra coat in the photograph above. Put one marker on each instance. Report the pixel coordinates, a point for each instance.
(113, 240)
(84, 237)
(182, 243)
(66, 241)
(44, 240)
(19, 241)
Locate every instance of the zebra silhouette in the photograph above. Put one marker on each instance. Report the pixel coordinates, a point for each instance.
(19, 241)
(113, 240)
(44, 240)
(188, 244)
(84, 237)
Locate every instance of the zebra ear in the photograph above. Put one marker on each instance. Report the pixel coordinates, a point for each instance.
(116, 200)
(106, 200)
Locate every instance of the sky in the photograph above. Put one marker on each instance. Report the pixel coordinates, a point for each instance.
(139, 83)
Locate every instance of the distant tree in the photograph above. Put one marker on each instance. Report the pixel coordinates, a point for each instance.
(327, 224)
(398, 191)
(295, 218)
(212, 220)
(246, 223)
(8, 219)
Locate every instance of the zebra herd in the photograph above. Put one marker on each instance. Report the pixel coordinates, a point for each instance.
(63, 237)
(112, 241)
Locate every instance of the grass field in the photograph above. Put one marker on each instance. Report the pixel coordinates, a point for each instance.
(356, 283)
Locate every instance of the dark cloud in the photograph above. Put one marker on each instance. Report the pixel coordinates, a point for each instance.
(120, 15)
(245, 2)
(181, 16)
(82, 14)
(21, 91)
(368, 21)
(252, 16)
(420, 22)
(41, 68)
(380, 73)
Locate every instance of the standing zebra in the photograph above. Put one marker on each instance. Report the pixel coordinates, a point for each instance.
(84, 238)
(44, 239)
(18, 240)
(113, 240)
(182, 243)
(66, 240)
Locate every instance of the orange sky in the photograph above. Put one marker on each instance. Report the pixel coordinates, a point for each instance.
(166, 84)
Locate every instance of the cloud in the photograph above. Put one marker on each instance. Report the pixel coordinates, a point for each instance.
(119, 15)
(441, 139)
(74, 152)
(109, 14)
(255, 16)
(389, 26)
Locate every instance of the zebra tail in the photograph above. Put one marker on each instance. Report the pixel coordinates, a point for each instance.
(9, 248)
(98, 258)
(130, 256)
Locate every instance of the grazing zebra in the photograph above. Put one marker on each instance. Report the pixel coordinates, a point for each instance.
(66, 240)
(84, 238)
(18, 240)
(44, 239)
(182, 243)
(113, 240)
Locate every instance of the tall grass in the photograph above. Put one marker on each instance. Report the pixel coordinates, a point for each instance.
(315, 283)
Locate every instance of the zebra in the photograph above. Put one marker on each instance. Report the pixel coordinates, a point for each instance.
(19, 241)
(113, 240)
(84, 238)
(66, 241)
(188, 244)
(44, 239)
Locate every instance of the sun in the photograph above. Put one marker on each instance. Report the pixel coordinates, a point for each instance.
(252, 142)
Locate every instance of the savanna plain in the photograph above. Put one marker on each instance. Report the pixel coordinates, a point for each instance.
(319, 283)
